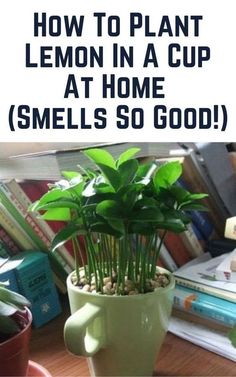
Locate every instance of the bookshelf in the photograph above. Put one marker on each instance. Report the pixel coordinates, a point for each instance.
(177, 357)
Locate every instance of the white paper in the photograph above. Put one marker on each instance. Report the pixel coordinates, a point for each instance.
(212, 340)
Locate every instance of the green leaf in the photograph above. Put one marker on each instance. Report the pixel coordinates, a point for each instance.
(8, 326)
(144, 170)
(105, 228)
(104, 188)
(147, 215)
(198, 196)
(128, 170)
(174, 225)
(71, 174)
(59, 204)
(125, 156)
(109, 209)
(144, 228)
(232, 336)
(111, 175)
(179, 193)
(146, 203)
(172, 214)
(118, 225)
(16, 299)
(194, 207)
(101, 156)
(57, 214)
(50, 196)
(66, 234)
(167, 174)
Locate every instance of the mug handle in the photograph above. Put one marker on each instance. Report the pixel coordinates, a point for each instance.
(78, 339)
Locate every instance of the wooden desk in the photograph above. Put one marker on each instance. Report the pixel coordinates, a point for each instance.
(177, 357)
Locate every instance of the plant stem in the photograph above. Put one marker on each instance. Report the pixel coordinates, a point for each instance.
(76, 259)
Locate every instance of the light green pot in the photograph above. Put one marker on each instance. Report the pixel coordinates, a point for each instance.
(121, 335)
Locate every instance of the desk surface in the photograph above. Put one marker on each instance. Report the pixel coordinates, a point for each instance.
(177, 357)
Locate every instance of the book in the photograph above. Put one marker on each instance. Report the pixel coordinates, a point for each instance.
(167, 259)
(191, 242)
(12, 227)
(199, 274)
(196, 178)
(31, 229)
(34, 278)
(211, 339)
(202, 221)
(195, 318)
(176, 248)
(216, 159)
(8, 242)
(220, 246)
(47, 231)
(205, 305)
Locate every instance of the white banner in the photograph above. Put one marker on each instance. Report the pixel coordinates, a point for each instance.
(102, 71)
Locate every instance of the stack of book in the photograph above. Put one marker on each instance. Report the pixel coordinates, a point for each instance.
(200, 298)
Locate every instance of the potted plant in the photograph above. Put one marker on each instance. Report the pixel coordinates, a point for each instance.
(15, 329)
(120, 300)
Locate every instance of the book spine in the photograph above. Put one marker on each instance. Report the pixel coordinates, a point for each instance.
(200, 320)
(167, 259)
(191, 242)
(4, 253)
(195, 182)
(55, 259)
(225, 295)
(190, 301)
(13, 228)
(176, 248)
(203, 224)
(28, 224)
(9, 242)
(17, 191)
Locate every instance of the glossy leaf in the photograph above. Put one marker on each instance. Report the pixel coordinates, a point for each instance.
(117, 224)
(174, 225)
(194, 207)
(197, 196)
(57, 214)
(59, 204)
(127, 171)
(66, 234)
(179, 193)
(104, 188)
(71, 175)
(147, 215)
(50, 196)
(7, 296)
(145, 169)
(105, 229)
(112, 176)
(125, 156)
(167, 174)
(109, 209)
(100, 156)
